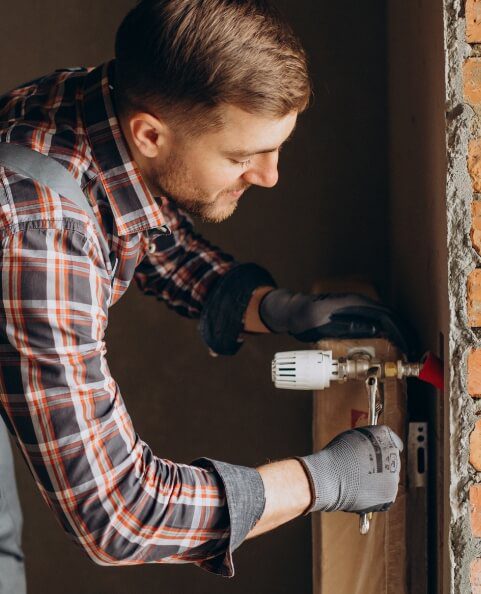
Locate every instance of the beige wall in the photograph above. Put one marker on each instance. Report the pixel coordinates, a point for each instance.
(418, 233)
(326, 217)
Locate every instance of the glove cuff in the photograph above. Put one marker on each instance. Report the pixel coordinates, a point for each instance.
(274, 310)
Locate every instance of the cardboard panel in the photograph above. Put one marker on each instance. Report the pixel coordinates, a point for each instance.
(344, 561)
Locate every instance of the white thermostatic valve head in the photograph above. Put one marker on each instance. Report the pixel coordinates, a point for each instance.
(304, 370)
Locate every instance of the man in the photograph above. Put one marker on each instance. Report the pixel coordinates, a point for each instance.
(192, 112)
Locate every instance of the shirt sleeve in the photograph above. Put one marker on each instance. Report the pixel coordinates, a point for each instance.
(121, 503)
(199, 280)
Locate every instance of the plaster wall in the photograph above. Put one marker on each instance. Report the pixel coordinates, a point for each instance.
(325, 218)
(463, 124)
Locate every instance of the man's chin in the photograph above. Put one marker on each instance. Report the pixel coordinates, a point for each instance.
(218, 215)
(213, 212)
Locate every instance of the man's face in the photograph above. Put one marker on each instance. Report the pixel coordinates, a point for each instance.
(206, 175)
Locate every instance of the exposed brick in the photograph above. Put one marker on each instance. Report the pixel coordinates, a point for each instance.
(474, 298)
(472, 81)
(475, 501)
(475, 446)
(476, 225)
(474, 373)
(476, 576)
(474, 163)
(473, 21)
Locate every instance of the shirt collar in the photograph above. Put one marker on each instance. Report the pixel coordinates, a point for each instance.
(133, 206)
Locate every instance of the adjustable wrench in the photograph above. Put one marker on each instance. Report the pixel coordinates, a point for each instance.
(375, 401)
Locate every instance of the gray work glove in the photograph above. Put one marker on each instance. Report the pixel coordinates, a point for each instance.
(311, 318)
(358, 471)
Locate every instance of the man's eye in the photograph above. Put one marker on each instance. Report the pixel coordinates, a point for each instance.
(243, 163)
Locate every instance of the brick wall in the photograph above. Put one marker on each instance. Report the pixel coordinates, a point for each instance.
(472, 96)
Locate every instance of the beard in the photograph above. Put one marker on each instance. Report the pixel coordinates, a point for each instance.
(174, 182)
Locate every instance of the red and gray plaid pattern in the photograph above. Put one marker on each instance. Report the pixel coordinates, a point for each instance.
(115, 498)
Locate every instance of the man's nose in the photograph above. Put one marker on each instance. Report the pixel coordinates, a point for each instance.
(264, 172)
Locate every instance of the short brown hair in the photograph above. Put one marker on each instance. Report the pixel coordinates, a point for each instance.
(183, 58)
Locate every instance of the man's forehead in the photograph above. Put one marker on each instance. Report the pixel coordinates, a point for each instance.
(248, 133)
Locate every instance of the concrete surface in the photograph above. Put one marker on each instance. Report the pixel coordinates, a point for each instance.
(462, 259)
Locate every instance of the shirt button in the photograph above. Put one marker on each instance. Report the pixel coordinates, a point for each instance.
(160, 239)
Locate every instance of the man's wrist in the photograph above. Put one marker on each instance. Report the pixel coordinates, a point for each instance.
(252, 320)
(287, 494)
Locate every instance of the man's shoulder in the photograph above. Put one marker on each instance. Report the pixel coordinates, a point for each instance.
(46, 90)
(45, 113)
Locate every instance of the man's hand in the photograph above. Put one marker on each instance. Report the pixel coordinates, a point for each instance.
(311, 318)
(358, 471)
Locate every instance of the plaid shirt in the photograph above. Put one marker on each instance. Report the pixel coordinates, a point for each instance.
(113, 496)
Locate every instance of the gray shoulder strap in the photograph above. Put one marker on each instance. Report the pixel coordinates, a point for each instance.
(49, 173)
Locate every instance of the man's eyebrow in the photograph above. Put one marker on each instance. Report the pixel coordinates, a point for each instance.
(244, 153)
(239, 153)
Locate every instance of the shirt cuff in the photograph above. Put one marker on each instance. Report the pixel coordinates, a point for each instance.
(222, 317)
(245, 496)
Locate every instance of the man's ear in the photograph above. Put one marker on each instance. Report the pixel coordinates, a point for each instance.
(149, 134)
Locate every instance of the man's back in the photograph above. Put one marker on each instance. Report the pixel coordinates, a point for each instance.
(64, 116)
(59, 398)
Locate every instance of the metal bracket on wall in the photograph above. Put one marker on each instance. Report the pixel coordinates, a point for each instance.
(417, 455)
(417, 505)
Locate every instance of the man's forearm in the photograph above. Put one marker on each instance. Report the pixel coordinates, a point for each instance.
(287, 490)
(252, 321)
(287, 494)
